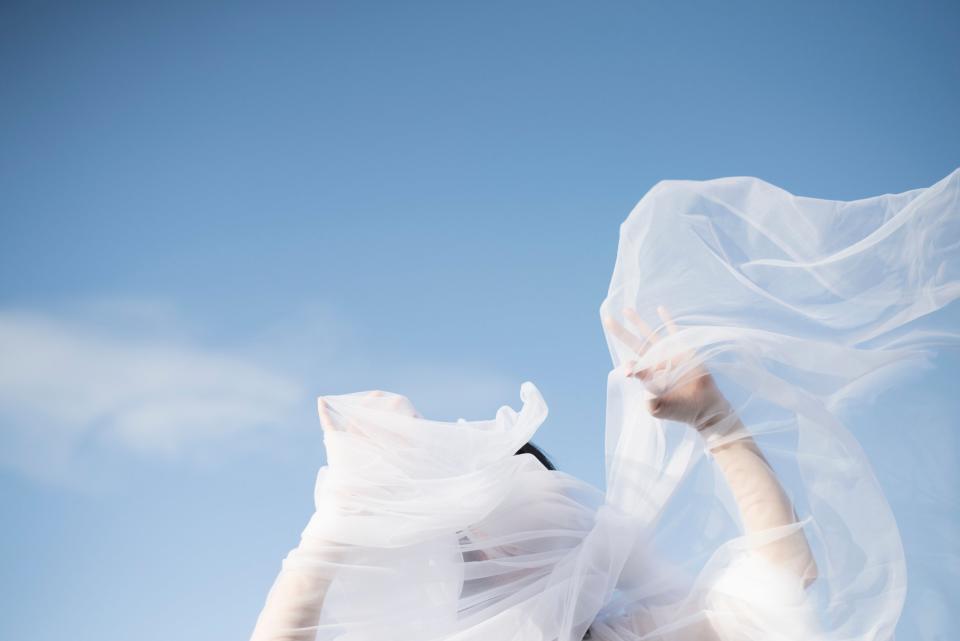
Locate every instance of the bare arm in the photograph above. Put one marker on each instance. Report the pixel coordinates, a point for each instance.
(292, 608)
(295, 601)
(764, 504)
(293, 604)
(694, 398)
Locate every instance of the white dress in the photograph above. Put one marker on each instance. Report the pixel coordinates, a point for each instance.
(797, 306)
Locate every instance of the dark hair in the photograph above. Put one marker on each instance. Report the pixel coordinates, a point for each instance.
(530, 448)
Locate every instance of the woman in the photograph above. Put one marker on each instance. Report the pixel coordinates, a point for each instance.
(437, 530)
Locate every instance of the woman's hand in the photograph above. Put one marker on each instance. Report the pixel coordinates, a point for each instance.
(681, 388)
(376, 399)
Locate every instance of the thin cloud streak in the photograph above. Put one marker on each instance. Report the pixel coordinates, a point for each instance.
(150, 396)
(96, 380)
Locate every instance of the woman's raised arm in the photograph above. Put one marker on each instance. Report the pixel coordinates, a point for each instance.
(693, 397)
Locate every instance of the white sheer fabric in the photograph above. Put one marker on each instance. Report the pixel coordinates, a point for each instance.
(798, 307)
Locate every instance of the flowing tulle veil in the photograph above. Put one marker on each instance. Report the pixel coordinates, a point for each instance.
(804, 310)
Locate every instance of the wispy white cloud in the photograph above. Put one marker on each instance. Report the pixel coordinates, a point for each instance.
(64, 383)
(134, 376)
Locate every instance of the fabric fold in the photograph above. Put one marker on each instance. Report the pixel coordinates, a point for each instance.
(766, 522)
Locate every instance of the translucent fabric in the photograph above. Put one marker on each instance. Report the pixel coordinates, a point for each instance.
(756, 516)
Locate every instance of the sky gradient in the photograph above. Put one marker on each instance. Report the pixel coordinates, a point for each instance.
(211, 213)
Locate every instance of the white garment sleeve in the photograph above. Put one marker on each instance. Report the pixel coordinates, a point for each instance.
(754, 600)
(293, 604)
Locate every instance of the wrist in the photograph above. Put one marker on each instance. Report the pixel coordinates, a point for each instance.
(720, 427)
(717, 414)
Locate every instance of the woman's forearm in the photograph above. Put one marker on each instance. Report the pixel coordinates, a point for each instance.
(681, 388)
(292, 608)
(763, 504)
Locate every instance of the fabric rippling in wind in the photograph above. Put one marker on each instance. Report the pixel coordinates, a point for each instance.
(798, 307)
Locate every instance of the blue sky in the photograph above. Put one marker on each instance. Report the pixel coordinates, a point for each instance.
(211, 213)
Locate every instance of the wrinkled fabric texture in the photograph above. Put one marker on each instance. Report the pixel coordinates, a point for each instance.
(799, 307)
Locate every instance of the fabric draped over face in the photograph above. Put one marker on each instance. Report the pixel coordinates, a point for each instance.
(799, 307)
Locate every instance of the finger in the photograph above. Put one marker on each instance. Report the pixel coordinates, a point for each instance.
(326, 422)
(655, 406)
(630, 339)
(642, 374)
(667, 320)
(632, 315)
(402, 405)
(353, 427)
(662, 406)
